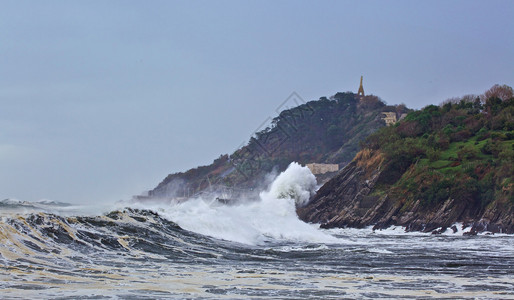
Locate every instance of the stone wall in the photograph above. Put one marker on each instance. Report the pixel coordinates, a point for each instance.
(322, 168)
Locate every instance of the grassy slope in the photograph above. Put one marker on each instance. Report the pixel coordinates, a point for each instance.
(462, 151)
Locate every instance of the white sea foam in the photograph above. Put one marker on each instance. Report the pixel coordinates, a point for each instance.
(272, 217)
(380, 251)
(300, 248)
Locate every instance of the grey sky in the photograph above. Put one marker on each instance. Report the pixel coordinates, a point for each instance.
(100, 100)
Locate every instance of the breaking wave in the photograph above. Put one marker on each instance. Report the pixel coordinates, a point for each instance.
(271, 218)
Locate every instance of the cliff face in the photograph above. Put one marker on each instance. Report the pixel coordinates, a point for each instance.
(440, 165)
(345, 200)
(353, 199)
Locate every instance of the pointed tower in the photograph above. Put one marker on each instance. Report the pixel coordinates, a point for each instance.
(361, 90)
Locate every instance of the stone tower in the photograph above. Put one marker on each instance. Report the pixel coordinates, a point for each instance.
(361, 90)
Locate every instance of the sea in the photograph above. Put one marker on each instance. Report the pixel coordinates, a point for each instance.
(252, 248)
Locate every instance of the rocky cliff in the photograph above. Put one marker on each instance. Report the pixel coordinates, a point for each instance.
(352, 199)
(439, 166)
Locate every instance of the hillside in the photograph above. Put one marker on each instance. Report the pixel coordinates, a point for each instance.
(440, 165)
(327, 130)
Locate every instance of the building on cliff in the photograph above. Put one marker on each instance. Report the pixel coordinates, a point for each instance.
(389, 118)
(322, 168)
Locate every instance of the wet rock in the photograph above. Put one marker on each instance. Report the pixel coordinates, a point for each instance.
(439, 231)
(347, 200)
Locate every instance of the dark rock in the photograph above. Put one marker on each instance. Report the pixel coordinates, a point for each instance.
(471, 232)
(439, 231)
(347, 200)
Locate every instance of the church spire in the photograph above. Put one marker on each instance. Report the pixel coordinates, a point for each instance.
(361, 90)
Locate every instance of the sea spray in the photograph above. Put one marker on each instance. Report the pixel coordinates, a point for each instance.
(272, 217)
(296, 182)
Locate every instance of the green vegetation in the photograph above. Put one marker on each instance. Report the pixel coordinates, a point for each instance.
(462, 149)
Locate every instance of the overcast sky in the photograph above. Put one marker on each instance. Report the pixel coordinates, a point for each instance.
(100, 100)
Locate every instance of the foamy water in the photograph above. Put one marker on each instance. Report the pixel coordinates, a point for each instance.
(272, 217)
(254, 249)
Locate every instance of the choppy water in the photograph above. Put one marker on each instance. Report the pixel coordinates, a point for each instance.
(200, 249)
(139, 254)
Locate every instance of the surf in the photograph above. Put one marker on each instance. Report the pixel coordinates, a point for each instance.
(270, 218)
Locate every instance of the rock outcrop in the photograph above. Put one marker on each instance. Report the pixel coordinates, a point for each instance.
(351, 199)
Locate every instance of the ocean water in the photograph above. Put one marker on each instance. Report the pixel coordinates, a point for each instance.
(203, 249)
